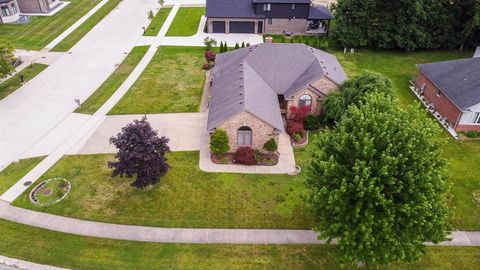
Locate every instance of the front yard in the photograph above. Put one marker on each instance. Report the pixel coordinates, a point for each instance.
(186, 21)
(41, 30)
(172, 82)
(15, 171)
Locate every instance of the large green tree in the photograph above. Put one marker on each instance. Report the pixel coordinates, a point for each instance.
(377, 183)
(6, 58)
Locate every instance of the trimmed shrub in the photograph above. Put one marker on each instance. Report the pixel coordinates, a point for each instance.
(237, 46)
(219, 142)
(270, 145)
(245, 155)
(295, 128)
(472, 134)
(311, 122)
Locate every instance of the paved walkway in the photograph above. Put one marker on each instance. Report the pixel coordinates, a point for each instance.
(7, 263)
(177, 235)
(183, 129)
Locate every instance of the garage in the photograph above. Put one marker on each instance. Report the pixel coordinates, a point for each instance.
(242, 27)
(218, 26)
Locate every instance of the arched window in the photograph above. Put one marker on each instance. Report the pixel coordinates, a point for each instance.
(244, 136)
(305, 100)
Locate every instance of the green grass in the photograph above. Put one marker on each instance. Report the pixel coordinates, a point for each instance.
(41, 30)
(186, 21)
(15, 171)
(186, 196)
(9, 86)
(157, 22)
(172, 82)
(72, 39)
(77, 252)
(118, 77)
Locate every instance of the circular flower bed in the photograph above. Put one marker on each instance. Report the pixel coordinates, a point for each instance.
(50, 191)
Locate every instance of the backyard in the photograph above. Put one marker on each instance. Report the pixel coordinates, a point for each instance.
(172, 82)
(186, 21)
(41, 30)
(9, 86)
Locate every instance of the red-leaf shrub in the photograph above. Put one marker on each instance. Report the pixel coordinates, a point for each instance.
(207, 66)
(245, 155)
(210, 56)
(295, 128)
(299, 114)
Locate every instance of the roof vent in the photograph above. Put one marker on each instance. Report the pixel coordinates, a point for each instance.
(241, 102)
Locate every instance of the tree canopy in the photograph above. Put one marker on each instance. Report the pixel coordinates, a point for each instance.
(377, 183)
(6, 58)
(141, 153)
(407, 24)
(352, 92)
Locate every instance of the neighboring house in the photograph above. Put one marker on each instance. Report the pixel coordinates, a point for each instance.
(267, 17)
(11, 9)
(453, 90)
(252, 89)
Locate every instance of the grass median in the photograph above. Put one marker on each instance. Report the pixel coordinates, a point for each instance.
(157, 22)
(186, 22)
(15, 171)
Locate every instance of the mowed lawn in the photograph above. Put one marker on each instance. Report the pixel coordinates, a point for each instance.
(186, 196)
(41, 30)
(15, 171)
(157, 22)
(186, 21)
(463, 156)
(78, 252)
(72, 39)
(114, 81)
(172, 82)
(9, 86)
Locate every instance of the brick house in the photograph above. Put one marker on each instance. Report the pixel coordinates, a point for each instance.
(267, 17)
(12, 9)
(452, 88)
(252, 88)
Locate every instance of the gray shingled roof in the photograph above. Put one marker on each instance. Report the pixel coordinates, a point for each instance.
(231, 9)
(319, 13)
(249, 79)
(458, 79)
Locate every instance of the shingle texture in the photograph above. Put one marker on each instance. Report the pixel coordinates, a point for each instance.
(459, 80)
(249, 79)
(231, 9)
(319, 13)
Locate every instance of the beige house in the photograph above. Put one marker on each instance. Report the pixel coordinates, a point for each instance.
(10, 10)
(253, 88)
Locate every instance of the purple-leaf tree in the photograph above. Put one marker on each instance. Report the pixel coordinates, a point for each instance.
(141, 153)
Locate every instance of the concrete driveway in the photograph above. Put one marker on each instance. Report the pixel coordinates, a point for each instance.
(185, 131)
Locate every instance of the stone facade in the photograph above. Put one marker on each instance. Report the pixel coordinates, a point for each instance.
(325, 85)
(261, 131)
(280, 26)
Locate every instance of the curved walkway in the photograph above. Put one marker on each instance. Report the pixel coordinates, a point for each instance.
(177, 235)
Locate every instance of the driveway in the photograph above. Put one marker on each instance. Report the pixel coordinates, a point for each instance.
(184, 130)
(40, 105)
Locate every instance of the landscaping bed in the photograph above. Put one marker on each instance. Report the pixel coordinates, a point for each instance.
(263, 159)
(50, 191)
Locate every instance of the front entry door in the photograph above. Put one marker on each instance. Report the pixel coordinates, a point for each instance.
(260, 27)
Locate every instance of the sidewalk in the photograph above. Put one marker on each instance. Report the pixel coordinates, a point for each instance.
(182, 235)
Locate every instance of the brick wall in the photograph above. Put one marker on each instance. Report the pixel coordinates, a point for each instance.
(261, 131)
(466, 127)
(279, 26)
(442, 104)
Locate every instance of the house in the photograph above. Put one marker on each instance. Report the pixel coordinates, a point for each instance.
(452, 89)
(12, 9)
(267, 17)
(252, 89)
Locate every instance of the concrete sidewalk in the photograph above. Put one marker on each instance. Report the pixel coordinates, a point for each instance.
(182, 235)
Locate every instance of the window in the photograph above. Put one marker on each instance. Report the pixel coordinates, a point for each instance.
(267, 7)
(293, 6)
(14, 8)
(269, 20)
(244, 136)
(439, 93)
(305, 100)
(5, 11)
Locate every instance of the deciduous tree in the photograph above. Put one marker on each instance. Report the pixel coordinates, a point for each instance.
(6, 59)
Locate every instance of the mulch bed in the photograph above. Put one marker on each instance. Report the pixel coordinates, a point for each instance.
(301, 142)
(266, 159)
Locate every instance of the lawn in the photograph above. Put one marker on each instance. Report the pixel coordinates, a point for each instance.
(186, 21)
(186, 196)
(157, 22)
(114, 81)
(15, 171)
(172, 82)
(72, 39)
(9, 86)
(41, 30)
(77, 252)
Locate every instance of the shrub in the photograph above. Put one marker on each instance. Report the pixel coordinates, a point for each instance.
(299, 114)
(297, 137)
(245, 155)
(219, 142)
(472, 134)
(237, 46)
(207, 66)
(243, 44)
(209, 43)
(295, 128)
(210, 56)
(311, 122)
(270, 145)
(258, 156)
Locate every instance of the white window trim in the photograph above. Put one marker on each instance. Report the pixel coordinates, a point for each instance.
(293, 6)
(267, 7)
